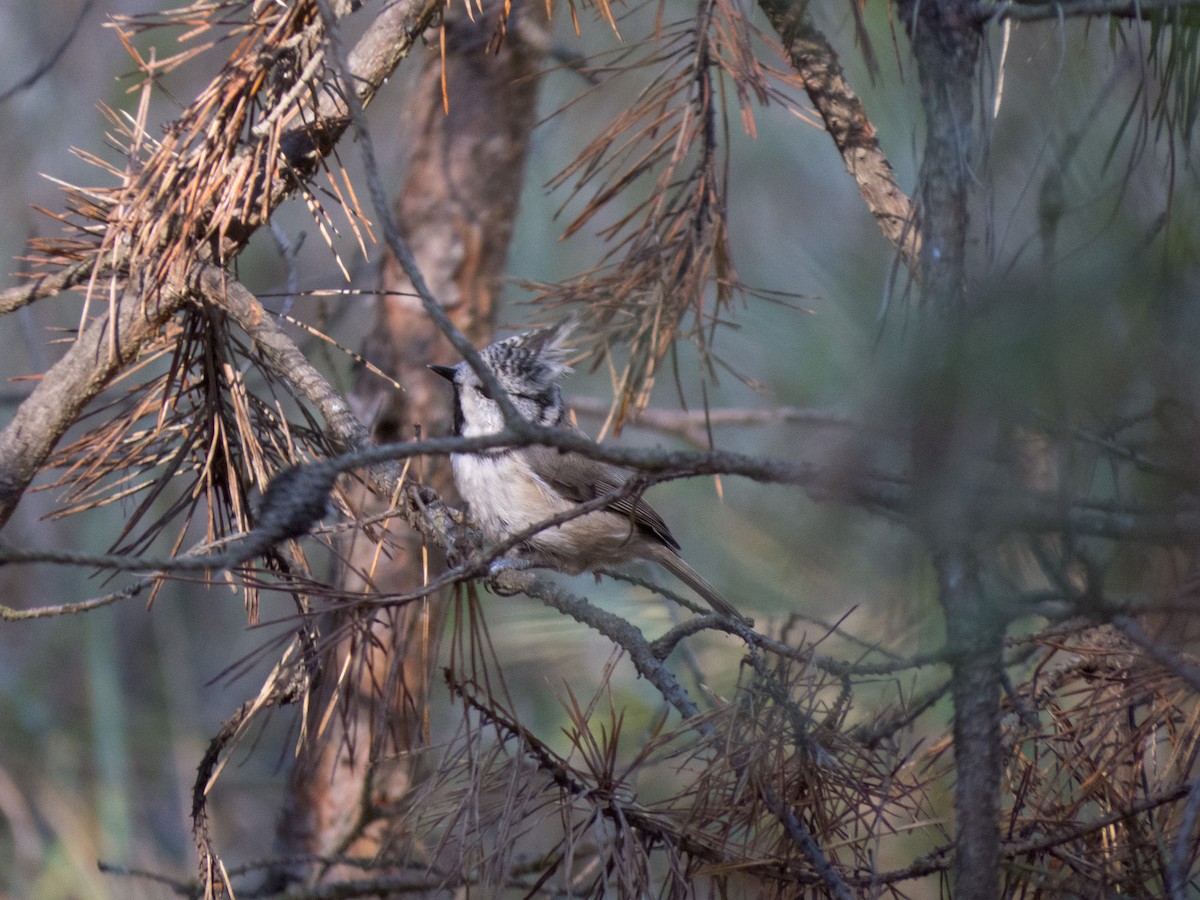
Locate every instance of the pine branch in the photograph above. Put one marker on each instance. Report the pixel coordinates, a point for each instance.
(1091, 9)
(853, 133)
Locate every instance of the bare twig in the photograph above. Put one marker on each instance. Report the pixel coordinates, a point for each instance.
(1032, 12)
(48, 285)
(184, 888)
(11, 614)
(622, 633)
(692, 425)
(804, 839)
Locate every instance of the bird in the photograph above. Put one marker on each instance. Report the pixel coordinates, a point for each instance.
(509, 489)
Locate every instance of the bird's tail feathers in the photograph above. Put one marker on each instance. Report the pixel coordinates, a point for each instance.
(689, 576)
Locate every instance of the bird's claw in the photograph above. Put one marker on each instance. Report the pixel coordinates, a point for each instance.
(499, 567)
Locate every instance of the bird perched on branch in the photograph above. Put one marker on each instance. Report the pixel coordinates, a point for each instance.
(509, 489)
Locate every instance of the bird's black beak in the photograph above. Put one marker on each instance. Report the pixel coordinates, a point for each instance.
(446, 372)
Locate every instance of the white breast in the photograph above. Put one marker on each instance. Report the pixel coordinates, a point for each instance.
(502, 492)
(505, 496)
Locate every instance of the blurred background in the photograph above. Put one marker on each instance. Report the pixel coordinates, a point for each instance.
(105, 716)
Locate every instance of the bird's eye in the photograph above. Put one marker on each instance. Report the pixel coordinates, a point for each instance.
(483, 391)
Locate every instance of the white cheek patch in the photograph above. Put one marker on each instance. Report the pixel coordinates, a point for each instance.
(480, 417)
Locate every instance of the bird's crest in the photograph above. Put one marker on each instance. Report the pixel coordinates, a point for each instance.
(537, 357)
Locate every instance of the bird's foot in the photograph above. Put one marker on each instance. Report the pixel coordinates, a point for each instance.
(503, 578)
(506, 563)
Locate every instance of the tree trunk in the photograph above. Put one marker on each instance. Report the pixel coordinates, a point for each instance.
(953, 436)
(457, 209)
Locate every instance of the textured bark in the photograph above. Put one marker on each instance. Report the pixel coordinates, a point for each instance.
(457, 209)
(951, 435)
(946, 42)
(975, 636)
(846, 120)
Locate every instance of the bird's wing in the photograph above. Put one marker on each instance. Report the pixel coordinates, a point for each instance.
(580, 479)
